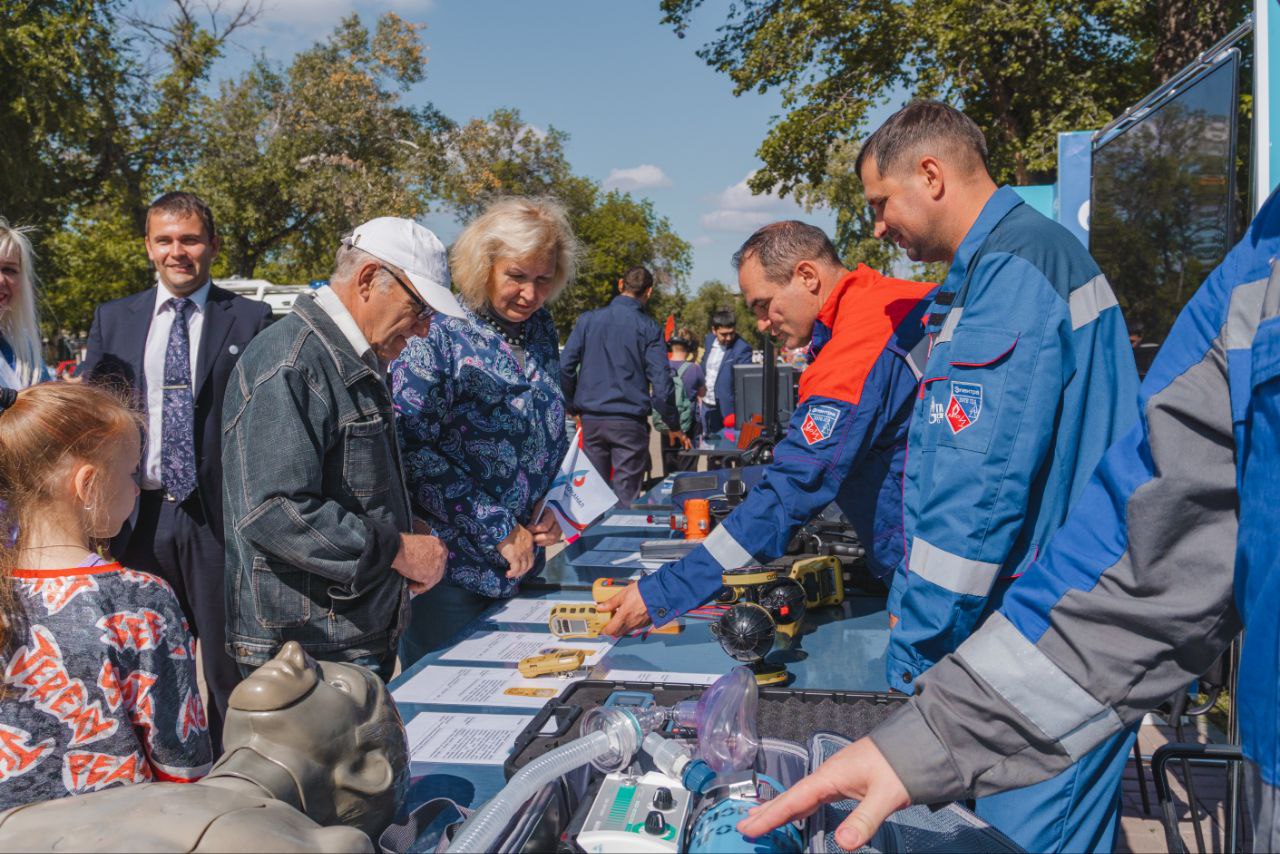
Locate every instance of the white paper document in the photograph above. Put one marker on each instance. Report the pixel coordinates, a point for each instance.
(629, 520)
(528, 610)
(482, 686)
(463, 739)
(662, 677)
(510, 647)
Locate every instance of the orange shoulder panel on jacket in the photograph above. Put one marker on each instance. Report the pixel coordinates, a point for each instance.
(862, 313)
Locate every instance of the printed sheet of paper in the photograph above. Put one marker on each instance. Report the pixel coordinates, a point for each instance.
(482, 686)
(661, 677)
(510, 647)
(463, 739)
(528, 610)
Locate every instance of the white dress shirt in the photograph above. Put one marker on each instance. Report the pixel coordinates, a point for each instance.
(714, 360)
(338, 313)
(153, 367)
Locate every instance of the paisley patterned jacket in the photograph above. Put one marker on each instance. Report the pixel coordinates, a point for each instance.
(482, 439)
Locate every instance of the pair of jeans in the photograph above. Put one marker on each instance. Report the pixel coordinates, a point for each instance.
(436, 618)
(619, 449)
(383, 666)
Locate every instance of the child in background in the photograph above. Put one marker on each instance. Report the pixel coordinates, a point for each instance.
(99, 680)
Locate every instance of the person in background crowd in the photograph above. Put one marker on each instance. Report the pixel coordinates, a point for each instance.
(171, 348)
(21, 363)
(71, 620)
(846, 442)
(322, 545)
(690, 385)
(481, 416)
(1167, 555)
(1029, 378)
(722, 350)
(614, 374)
(694, 353)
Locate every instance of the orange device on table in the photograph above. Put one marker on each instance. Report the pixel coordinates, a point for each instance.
(604, 589)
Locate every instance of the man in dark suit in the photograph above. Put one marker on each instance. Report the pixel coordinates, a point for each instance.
(724, 349)
(172, 348)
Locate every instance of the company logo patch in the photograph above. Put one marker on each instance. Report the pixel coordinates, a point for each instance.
(965, 405)
(820, 423)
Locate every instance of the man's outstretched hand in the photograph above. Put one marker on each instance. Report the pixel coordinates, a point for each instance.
(859, 771)
(628, 610)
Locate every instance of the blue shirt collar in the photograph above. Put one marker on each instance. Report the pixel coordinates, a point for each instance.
(1002, 201)
(626, 302)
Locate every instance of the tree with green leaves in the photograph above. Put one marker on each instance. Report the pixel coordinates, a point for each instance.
(1024, 70)
(134, 95)
(501, 155)
(712, 296)
(57, 59)
(294, 158)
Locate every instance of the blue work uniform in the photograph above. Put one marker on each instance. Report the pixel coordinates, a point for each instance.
(844, 444)
(1029, 378)
(1170, 548)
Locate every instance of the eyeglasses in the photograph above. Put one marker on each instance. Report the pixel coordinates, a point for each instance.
(425, 312)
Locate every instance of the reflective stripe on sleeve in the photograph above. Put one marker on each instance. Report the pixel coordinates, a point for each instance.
(1090, 300)
(721, 545)
(951, 571)
(1037, 688)
(1243, 313)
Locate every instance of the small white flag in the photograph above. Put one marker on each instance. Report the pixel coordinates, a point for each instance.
(579, 495)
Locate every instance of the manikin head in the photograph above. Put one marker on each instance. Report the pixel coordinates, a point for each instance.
(786, 271)
(324, 736)
(924, 172)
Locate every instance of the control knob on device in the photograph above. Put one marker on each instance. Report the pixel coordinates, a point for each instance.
(663, 799)
(655, 823)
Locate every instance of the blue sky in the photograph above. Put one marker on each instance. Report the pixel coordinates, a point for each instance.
(643, 112)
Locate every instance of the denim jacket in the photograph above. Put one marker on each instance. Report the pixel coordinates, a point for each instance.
(314, 497)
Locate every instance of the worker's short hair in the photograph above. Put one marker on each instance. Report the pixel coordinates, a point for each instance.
(183, 204)
(637, 280)
(780, 246)
(925, 127)
(724, 318)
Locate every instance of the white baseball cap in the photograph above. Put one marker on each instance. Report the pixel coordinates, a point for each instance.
(405, 244)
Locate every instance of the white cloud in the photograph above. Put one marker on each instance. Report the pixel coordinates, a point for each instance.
(641, 177)
(737, 209)
(702, 240)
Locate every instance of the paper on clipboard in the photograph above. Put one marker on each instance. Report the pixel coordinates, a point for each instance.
(463, 739)
(482, 686)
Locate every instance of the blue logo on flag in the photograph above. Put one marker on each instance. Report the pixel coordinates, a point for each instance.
(965, 405)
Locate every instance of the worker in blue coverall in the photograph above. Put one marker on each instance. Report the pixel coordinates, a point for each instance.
(845, 441)
(1170, 550)
(1028, 379)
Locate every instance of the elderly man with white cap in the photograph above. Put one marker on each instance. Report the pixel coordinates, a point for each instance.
(322, 547)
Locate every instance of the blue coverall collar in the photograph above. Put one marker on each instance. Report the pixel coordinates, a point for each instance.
(1002, 201)
(626, 301)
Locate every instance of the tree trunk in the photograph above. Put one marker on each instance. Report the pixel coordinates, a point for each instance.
(1188, 27)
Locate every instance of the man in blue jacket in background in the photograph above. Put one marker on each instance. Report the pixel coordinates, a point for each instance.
(1029, 378)
(614, 374)
(722, 350)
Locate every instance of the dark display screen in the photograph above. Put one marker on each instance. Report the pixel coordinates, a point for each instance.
(1162, 205)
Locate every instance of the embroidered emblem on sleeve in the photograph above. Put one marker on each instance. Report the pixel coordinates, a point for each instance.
(820, 423)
